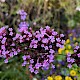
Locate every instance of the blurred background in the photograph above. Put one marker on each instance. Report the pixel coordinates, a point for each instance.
(62, 15)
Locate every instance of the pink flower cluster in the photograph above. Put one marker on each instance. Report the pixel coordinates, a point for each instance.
(38, 48)
(74, 58)
(8, 47)
(76, 55)
(70, 60)
(43, 44)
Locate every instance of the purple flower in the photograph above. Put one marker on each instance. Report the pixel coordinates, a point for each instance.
(21, 37)
(6, 60)
(18, 35)
(2, 30)
(31, 69)
(22, 14)
(68, 59)
(72, 60)
(51, 51)
(13, 49)
(24, 63)
(75, 51)
(24, 57)
(3, 47)
(3, 52)
(4, 34)
(28, 56)
(45, 40)
(45, 64)
(47, 28)
(58, 45)
(23, 17)
(58, 39)
(53, 66)
(52, 39)
(69, 66)
(36, 72)
(50, 46)
(15, 53)
(24, 36)
(35, 46)
(0, 51)
(68, 54)
(10, 29)
(61, 35)
(78, 55)
(39, 39)
(51, 60)
(13, 44)
(61, 46)
(11, 33)
(54, 33)
(3, 40)
(23, 24)
(31, 46)
(63, 41)
(11, 54)
(29, 34)
(42, 45)
(46, 47)
(77, 47)
(38, 65)
(51, 56)
(18, 50)
(1, 37)
(21, 40)
(31, 61)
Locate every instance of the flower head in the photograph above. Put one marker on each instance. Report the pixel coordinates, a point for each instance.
(73, 73)
(49, 78)
(58, 77)
(22, 14)
(68, 78)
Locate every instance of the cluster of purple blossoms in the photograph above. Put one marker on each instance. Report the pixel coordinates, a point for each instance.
(74, 58)
(8, 47)
(43, 45)
(38, 48)
(23, 23)
(76, 55)
(23, 14)
(70, 60)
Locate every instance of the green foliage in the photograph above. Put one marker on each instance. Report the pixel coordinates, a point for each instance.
(56, 13)
(13, 70)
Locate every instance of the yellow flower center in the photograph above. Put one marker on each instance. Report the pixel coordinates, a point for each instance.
(73, 73)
